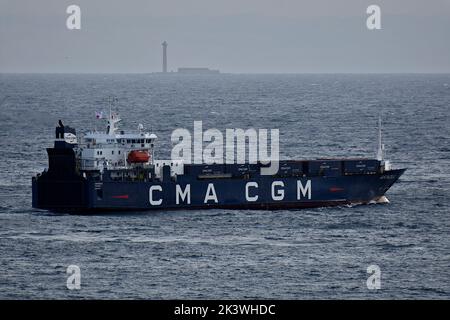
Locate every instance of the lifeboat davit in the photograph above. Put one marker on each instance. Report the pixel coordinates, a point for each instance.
(138, 156)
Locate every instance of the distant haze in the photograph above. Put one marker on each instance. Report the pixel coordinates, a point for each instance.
(241, 36)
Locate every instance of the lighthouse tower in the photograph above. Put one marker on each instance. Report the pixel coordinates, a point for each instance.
(164, 68)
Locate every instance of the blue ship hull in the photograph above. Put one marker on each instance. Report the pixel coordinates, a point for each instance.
(189, 192)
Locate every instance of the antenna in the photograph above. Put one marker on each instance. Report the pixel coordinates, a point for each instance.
(380, 150)
(112, 102)
(113, 118)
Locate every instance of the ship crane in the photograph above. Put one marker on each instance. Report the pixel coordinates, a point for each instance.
(380, 156)
(380, 150)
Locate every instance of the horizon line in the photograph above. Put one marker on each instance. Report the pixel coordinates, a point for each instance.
(221, 73)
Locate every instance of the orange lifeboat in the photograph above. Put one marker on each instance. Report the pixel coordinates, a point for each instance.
(138, 156)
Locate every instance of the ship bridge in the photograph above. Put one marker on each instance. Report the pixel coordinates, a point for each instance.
(109, 149)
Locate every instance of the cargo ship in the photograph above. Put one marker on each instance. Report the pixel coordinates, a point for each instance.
(117, 171)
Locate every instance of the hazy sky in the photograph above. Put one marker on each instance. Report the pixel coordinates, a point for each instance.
(262, 36)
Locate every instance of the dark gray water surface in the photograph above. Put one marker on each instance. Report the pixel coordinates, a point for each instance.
(319, 253)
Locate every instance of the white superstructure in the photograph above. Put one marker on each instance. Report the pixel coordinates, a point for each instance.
(111, 148)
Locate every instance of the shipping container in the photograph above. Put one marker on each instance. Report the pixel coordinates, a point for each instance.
(290, 168)
(325, 168)
(361, 166)
(202, 169)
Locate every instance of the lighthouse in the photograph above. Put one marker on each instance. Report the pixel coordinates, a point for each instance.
(164, 68)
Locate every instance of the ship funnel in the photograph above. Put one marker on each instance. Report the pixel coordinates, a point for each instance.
(65, 136)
